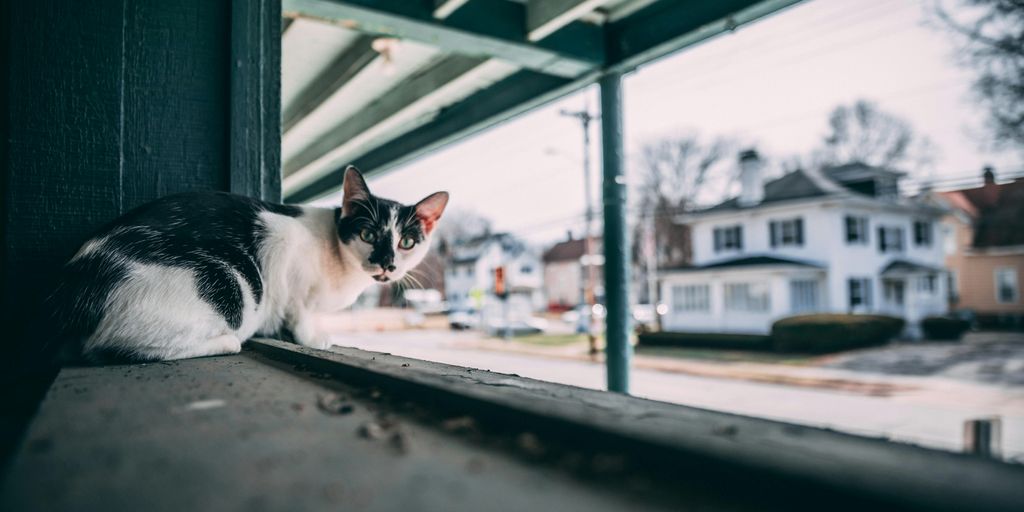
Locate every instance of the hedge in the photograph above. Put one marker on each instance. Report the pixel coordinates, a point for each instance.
(705, 340)
(821, 333)
(944, 327)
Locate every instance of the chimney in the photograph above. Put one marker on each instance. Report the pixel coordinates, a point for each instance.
(989, 175)
(989, 191)
(751, 178)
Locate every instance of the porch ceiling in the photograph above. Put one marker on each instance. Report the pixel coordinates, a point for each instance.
(378, 83)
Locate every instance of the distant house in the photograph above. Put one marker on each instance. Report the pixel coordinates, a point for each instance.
(985, 249)
(837, 239)
(469, 275)
(565, 272)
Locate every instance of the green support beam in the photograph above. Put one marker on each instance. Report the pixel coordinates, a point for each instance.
(512, 96)
(343, 68)
(667, 26)
(618, 350)
(653, 31)
(400, 97)
(481, 28)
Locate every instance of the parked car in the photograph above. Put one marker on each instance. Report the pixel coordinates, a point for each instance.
(463, 319)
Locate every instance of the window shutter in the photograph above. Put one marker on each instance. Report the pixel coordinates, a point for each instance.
(881, 239)
(799, 231)
(718, 240)
(739, 237)
(850, 229)
(773, 232)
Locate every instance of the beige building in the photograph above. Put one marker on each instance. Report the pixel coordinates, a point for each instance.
(984, 237)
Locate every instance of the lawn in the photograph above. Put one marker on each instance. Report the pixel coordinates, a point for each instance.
(551, 340)
(711, 354)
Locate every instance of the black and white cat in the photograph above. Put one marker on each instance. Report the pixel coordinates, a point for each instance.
(197, 274)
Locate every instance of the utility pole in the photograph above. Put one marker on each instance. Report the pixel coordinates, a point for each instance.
(585, 117)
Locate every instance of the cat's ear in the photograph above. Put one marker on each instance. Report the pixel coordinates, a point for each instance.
(429, 210)
(354, 189)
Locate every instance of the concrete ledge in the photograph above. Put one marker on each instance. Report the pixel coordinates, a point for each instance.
(282, 427)
(792, 463)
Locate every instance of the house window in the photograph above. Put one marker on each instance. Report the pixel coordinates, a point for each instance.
(748, 297)
(803, 295)
(856, 230)
(949, 239)
(922, 233)
(526, 269)
(860, 293)
(729, 238)
(694, 297)
(926, 284)
(890, 239)
(786, 232)
(952, 287)
(1006, 285)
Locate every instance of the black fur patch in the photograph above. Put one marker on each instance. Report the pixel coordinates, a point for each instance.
(375, 214)
(212, 234)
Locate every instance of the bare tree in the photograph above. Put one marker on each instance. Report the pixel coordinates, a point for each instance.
(992, 33)
(461, 224)
(676, 173)
(862, 132)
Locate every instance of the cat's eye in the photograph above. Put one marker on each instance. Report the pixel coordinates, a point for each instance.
(406, 243)
(367, 235)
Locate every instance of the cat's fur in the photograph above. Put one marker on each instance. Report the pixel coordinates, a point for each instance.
(197, 274)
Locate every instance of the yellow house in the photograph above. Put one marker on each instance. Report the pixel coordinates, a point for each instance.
(984, 236)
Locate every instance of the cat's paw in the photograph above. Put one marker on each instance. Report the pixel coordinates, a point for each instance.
(317, 340)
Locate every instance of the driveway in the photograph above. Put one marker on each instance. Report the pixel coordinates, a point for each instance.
(988, 357)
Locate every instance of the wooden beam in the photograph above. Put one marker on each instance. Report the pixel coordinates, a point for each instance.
(480, 28)
(445, 8)
(655, 30)
(667, 26)
(544, 17)
(343, 68)
(514, 95)
(391, 103)
(255, 153)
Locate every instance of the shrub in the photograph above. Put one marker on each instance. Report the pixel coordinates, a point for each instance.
(944, 327)
(705, 340)
(822, 333)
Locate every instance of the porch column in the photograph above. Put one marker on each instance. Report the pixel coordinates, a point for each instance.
(616, 241)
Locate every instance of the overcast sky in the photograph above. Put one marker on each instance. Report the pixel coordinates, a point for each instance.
(772, 84)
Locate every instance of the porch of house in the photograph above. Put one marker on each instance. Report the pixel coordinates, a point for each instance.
(109, 108)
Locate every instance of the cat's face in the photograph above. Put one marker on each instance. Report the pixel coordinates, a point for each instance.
(387, 237)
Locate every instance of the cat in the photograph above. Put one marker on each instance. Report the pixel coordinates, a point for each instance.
(197, 274)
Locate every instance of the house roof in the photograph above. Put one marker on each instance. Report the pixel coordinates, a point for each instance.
(829, 181)
(470, 250)
(907, 267)
(795, 185)
(855, 171)
(746, 261)
(569, 250)
(997, 210)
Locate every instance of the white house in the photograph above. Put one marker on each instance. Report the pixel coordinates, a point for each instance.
(837, 239)
(469, 276)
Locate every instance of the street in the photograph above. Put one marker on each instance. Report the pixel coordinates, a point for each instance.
(928, 411)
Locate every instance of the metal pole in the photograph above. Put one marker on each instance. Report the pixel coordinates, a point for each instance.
(983, 436)
(618, 351)
(589, 295)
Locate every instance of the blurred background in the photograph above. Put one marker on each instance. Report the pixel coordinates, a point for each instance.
(825, 213)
